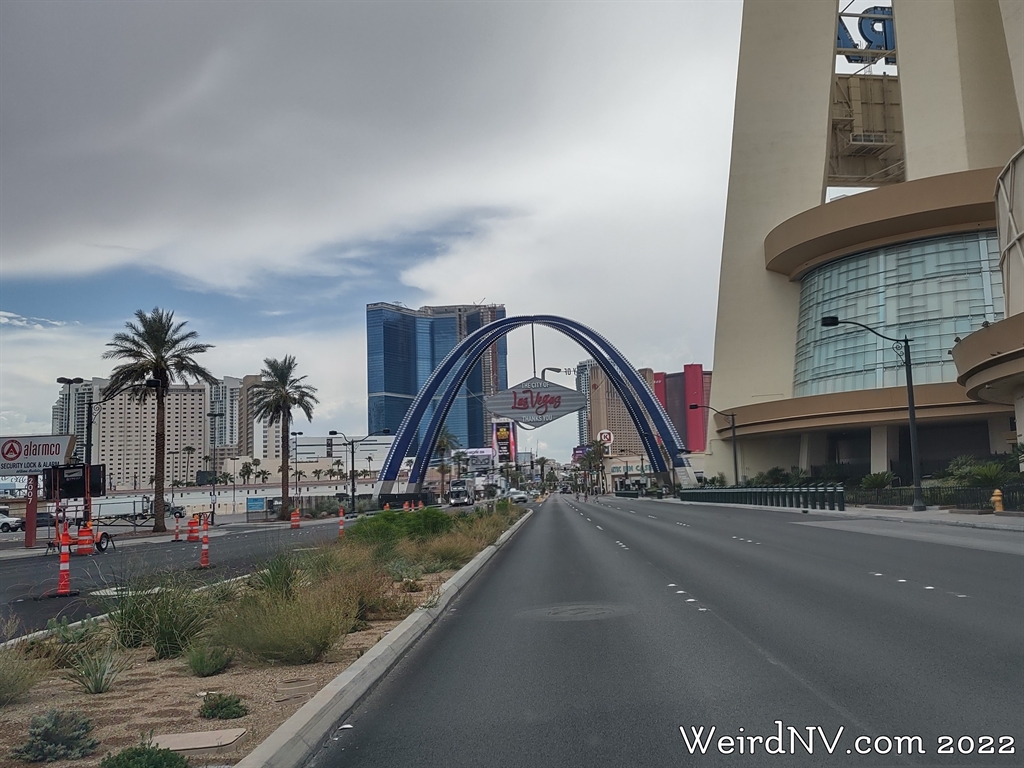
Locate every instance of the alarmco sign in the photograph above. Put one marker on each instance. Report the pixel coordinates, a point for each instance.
(535, 401)
(33, 454)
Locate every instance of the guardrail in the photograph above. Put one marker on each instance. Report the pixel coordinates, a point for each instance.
(804, 497)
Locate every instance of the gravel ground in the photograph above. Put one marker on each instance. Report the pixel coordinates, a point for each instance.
(164, 696)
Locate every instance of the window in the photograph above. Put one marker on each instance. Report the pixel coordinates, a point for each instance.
(930, 290)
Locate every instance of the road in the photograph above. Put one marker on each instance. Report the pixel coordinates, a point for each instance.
(234, 550)
(603, 632)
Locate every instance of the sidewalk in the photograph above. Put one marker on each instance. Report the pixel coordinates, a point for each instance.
(225, 524)
(931, 516)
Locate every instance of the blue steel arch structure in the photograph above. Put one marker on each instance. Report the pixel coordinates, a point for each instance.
(444, 383)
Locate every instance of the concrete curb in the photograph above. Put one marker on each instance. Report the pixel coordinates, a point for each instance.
(849, 516)
(300, 736)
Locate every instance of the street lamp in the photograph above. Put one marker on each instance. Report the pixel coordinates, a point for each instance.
(233, 470)
(902, 349)
(732, 427)
(172, 453)
(352, 454)
(213, 458)
(295, 458)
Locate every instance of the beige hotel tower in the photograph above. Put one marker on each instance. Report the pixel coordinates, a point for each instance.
(929, 120)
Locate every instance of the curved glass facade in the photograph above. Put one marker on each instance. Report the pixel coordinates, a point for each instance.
(932, 290)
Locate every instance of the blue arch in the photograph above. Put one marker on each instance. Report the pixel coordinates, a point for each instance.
(429, 436)
(449, 376)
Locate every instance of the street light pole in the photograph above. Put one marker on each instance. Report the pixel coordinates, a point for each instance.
(902, 349)
(213, 460)
(732, 430)
(352, 456)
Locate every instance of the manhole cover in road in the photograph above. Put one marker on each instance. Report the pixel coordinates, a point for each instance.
(577, 612)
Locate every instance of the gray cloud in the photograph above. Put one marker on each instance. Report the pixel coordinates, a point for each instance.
(226, 142)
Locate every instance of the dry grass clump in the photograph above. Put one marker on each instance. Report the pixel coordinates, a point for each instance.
(19, 669)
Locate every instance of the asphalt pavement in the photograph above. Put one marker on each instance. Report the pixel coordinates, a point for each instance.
(235, 549)
(633, 632)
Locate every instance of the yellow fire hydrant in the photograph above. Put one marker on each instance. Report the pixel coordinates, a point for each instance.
(997, 500)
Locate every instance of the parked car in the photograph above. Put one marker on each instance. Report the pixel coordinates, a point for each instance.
(8, 524)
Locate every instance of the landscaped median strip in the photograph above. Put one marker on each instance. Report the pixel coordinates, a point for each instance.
(301, 735)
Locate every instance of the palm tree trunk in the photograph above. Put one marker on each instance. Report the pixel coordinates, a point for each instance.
(285, 512)
(159, 526)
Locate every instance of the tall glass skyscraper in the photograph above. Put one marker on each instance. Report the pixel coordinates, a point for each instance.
(404, 346)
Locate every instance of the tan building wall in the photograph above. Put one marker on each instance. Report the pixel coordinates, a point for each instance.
(125, 436)
(961, 97)
(959, 107)
(608, 411)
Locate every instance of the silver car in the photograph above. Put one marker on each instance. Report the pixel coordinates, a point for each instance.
(8, 524)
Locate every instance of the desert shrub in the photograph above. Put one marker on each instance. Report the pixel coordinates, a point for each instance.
(129, 614)
(222, 706)
(206, 660)
(427, 522)
(57, 735)
(275, 628)
(279, 575)
(178, 615)
(66, 642)
(145, 756)
(19, 668)
(877, 480)
(453, 550)
(401, 569)
(96, 670)
(382, 528)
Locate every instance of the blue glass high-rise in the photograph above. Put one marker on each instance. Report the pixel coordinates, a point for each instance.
(405, 345)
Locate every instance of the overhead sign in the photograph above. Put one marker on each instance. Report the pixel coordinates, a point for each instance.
(34, 454)
(535, 401)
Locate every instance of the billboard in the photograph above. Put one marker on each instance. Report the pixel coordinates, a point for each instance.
(504, 441)
(32, 454)
(478, 459)
(535, 402)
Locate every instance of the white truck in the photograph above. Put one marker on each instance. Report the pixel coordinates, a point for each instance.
(459, 494)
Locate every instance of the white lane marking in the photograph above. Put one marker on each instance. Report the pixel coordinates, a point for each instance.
(902, 581)
(690, 600)
(876, 574)
(600, 528)
(671, 585)
(961, 595)
(929, 587)
(588, 520)
(680, 591)
(702, 609)
(652, 517)
(632, 512)
(734, 537)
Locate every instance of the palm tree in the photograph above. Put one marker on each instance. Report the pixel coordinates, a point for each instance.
(318, 474)
(156, 349)
(459, 458)
(272, 403)
(542, 461)
(246, 472)
(263, 475)
(188, 450)
(446, 443)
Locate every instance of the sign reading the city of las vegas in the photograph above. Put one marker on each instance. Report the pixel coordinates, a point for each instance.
(535, 401)
(32, 454)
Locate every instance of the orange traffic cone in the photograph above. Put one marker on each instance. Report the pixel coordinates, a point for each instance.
(405, 507)
(193, 530)
(204, 556)
(341, 523)
(421, 504)
(387, 507)
(64, 578)
(295, 518)
(85, 542)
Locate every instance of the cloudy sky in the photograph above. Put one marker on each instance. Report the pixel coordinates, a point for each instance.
(267, 169)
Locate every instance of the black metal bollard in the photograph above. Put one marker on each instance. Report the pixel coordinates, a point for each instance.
(841, 498)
